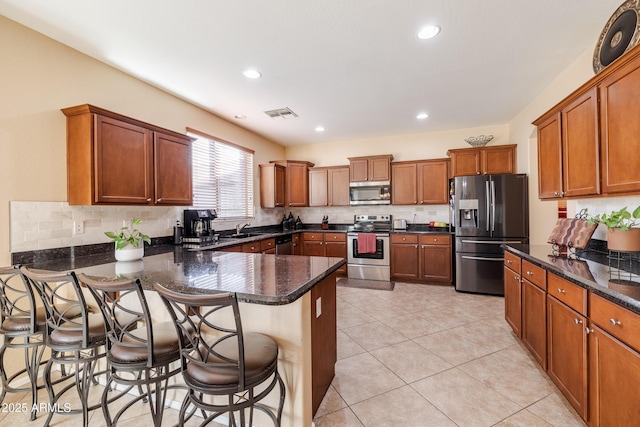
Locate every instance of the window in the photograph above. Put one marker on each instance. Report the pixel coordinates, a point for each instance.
(222, 177)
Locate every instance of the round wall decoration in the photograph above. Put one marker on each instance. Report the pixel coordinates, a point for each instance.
(620, 34)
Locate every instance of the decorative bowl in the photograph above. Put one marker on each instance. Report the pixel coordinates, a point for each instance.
(479, 141)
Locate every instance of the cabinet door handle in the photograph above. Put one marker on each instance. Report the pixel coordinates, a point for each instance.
(509, 261)
(149, 199)
(615, 322)
(561, 291)
(516, 277)
(589, 331)
(159, 200)
(529, 273)
(577, 321)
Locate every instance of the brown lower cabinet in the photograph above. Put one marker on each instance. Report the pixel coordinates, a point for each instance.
(326, 244)
(567, 358)
(590, 345)
(421, 257)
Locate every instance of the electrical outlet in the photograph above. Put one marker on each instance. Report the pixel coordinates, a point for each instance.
(318, 307)
(78, 227)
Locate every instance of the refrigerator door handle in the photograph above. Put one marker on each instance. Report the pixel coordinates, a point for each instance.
(488, 201)
(479, 258)
(492, 242)
(493, 206)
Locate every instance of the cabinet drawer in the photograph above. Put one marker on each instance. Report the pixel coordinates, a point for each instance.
(512, 261)
(312, 236)
(335, 237)
(435, 239)
(534, 274)
(253, 247)
(618, 321)
(267, 244)
(569, 293)
(404, 238)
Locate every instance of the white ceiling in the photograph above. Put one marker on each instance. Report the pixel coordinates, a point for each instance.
(354, 66)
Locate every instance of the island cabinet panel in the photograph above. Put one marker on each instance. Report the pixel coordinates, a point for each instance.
(404, 256)
(117, 160)
(619, 129)
(324, 352)
(435, 258)
(614, 375)
(513, 299)
(567, 353)
(550, 158)
(370, 168)
(534, 321)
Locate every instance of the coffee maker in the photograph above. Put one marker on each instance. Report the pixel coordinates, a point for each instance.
(197, 226)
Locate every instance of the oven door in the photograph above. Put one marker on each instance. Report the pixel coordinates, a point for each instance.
(380, 257)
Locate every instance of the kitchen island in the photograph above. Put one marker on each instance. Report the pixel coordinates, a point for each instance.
(290, 298)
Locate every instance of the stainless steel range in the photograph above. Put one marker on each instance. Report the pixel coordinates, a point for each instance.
(368, 247)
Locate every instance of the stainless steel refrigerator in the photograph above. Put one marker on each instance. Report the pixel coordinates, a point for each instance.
(489, 210)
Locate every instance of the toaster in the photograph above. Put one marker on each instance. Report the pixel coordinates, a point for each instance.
(399, 224)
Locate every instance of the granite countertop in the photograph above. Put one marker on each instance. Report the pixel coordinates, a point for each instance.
(614, 279)
(256, 278)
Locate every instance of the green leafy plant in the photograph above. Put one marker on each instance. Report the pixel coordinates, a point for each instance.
(622, 219)
(127, 236)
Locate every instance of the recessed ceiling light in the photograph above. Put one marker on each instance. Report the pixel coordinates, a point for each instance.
(428, 31)
(422, 116)
(250, 73)
(319, 128)
(240, 116)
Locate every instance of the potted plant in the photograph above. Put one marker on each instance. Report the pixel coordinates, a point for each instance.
(129, 241)
(622, 235)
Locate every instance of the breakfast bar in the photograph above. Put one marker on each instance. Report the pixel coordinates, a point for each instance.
(290, 298)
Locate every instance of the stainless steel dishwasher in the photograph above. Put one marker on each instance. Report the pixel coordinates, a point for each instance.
(284, 244)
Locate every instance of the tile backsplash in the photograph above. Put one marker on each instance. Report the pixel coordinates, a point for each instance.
(48, 225)
(606, 205)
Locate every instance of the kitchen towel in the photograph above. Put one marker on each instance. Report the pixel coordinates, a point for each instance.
(366, 243)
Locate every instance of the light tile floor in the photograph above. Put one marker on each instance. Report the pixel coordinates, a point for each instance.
(424, 355)
(419, 355)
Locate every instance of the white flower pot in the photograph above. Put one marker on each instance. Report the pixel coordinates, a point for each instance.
(130, 253)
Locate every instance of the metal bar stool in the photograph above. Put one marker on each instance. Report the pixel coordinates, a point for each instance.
(22, 323)
(226, 370)
(75, 336)
(139, 351)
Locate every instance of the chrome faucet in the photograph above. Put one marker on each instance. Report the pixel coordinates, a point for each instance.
(239, 229)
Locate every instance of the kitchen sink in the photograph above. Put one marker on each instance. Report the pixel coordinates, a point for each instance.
(240, 236)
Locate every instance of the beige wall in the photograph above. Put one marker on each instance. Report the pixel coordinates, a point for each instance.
(428, 145)
(40, 76)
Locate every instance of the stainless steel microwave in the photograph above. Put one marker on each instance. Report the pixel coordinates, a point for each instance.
(370, 193)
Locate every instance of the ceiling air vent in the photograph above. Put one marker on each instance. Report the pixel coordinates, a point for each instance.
(281, 114)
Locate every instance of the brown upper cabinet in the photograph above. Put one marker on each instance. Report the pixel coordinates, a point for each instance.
(370, 168)
(587, 142)
(483, 160)
(422, 182)
(329, 186)
(117, 160)
(568, 148)
(296, 183)
(272, 185)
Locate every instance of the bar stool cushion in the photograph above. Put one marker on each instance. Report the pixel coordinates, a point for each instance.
(23, 323)
(165, 343)
(261, 352)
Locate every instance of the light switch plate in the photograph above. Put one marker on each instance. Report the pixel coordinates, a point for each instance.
(318, 307)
